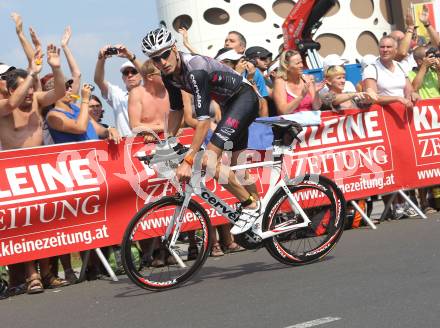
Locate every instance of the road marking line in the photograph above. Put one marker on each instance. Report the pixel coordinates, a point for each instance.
(314, 323)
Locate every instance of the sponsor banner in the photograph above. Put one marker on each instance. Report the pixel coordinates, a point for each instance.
(64, 198)
(53, 199)
(423, 124)
(353, 148)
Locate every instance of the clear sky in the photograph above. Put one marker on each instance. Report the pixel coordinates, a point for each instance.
(94, 23)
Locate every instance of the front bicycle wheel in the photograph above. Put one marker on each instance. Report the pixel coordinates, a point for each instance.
(146, 253)
(323, 203)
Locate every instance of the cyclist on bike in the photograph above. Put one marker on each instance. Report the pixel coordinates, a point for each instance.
(207, 79)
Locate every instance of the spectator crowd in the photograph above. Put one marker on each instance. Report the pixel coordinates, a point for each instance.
(53, 108)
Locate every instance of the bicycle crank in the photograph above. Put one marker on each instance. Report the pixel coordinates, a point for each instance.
(249, 240)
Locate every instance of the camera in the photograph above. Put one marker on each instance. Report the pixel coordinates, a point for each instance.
(184, 25)
(91, 86)
(434, 52)
(253, 61)
(111, 51)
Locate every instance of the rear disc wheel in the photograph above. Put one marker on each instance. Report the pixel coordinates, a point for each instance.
(323, 203)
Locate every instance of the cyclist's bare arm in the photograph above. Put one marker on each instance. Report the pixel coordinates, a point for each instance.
(200, 132)
(174, 122)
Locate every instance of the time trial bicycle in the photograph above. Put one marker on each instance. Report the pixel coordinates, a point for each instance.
(301, 221)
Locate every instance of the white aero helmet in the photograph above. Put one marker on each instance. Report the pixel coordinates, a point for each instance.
(156, 41)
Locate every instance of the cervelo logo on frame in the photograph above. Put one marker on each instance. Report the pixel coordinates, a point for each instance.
(43, 192)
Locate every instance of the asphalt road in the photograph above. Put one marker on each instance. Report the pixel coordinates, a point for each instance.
(383, 278)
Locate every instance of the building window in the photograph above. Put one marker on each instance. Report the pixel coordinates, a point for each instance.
(252, 13)
(216, 16)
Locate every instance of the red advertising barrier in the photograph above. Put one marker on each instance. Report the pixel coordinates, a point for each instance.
(64, 198)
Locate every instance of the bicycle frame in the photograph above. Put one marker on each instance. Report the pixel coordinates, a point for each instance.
(276, 182)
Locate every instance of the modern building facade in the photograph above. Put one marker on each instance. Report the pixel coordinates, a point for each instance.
(351, 29)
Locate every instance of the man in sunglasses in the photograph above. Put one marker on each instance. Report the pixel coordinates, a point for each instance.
(116, 97)
(207, 79)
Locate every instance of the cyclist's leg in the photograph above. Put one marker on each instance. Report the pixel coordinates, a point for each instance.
(251, 187)
(232, 184)
(231, 134)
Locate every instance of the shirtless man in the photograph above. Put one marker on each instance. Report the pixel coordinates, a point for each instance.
(21, 125)
(148, 105)
(20, 115)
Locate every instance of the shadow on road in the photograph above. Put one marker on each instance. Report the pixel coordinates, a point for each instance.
(210, 272)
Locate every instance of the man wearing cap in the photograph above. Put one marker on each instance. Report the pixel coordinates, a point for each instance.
(261, 55)
(260, 58)
(336, 60)
(255, 76)
(4, 69)
(114, 95)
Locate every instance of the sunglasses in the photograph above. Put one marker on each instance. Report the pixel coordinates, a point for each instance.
(163, 56)
(129, 71)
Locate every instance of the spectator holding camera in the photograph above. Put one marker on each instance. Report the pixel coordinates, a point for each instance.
(261, 56)
(258, 60)
(247, 66)
(426, 81)
(113, 94)
(426, 76)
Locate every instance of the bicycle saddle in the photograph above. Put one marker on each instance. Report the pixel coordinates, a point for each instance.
(284, 131)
